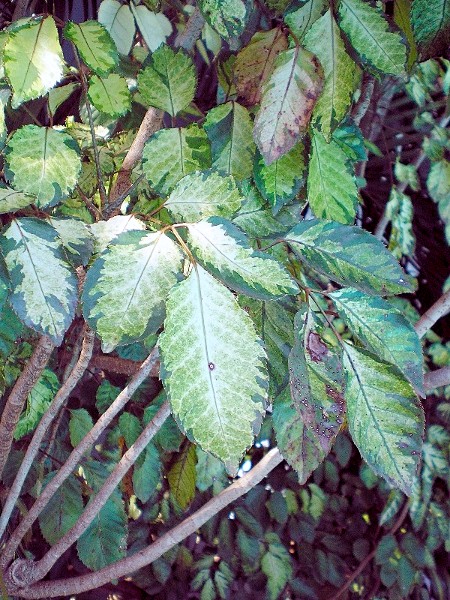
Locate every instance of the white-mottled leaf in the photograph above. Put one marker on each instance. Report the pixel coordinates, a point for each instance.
(399, 211)
(154, 27)
(222, 249)
(33, 60)
(119, 23)
(43, 162)
(227, 17)
(77, 239)
(126, 287)
(95, 45)
(301, 18)
(110, 95)
(202, 195)
(218, 399)
(10, 200)
(44, 286)
(105, 231)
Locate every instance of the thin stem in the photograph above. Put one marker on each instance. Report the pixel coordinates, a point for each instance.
(113, 206)
(77, 585)
(192, 31)
(19, 393)
(439, 309)
(435, 379)
(44, 423)
(86, 443)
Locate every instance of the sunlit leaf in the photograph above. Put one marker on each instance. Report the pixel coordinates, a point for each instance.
(105, 231)
(154, 27)
(94, 44)
(119, 23)
(227, 17)
(11, 201)
(110, 95)
(301, 18)
(77, 239)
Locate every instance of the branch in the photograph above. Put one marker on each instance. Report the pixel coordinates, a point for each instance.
(86, 443)
(439, 309)
(33, 448)
(123, 366)
(19, 393)
(77, 585)
(438, 378)
(190, 34)
(21, 9)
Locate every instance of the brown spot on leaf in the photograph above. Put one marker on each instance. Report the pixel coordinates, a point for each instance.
(316, 348)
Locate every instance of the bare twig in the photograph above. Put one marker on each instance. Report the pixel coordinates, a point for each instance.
(124, 366)
(33, 447)
(77, 585)
(86, 443)
(438, 378)
(190, 34)
(19, 394)
(439, 309)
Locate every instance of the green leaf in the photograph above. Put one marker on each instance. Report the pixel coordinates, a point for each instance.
(119, 23)
(170, 154)
(202, 195)
(402, 18)
(438, 185)
(44, 287)
(33, 60)
(219, 400)
(431, 25)
(222, 249)
(63, 510)
(169, 80)
(300, 20)
(332, 191)
(385, 418)
(58, 95)
(280, 181)
(254, 63)
(288, 98)
(11, 201)
(348, 255)
(369, 35)
(130, 428)
(254, 218)
(146, 473)
(80, 425)
(95, 45)
(276, 565)
(384, 331)
(208, 471)
(105, 231)
(105, 540)
(399, 211)
(110, 95)
(229, 128)
(126, 309)
(38, 401)
(154, 27)
(42, 162)
(77, 239)
(227, 17)
(341, 73)
(181, 476)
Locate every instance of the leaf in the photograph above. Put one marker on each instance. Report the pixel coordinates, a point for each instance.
(219, 400)
(332, 191)
(80, 425)
(341, 74)
(280, 181)
(95, 45)
(44, 287)
(11, 201)
(33, 60)
(202, 195)
(58, 95)
(438, 185)
(276, 565)
(300, 20)
(38, 401)
(130, 428)
(288, 98)
(227, 17)
(254, 218)
(399, 211)
(181, 476)
(169, 80)
(77, 239)
(105, 231)
(222, 249)
(208, 471)
(431, 25)
(42, 162)
(119, 23)
(170, 154)
(104, 541)
(154, 27)
(255, 62)
(229, 128)
(348, 255)
(146, 473)
(123, 309)
(369, 35)
(110, 95)
(63, 510)
(385, 418)
(402, 18)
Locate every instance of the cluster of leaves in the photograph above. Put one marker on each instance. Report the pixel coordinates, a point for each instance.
(237, 255)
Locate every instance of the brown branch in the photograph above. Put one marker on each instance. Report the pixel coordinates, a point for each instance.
(439, 309)
(123, 366)
(19, 393)
(438, 378)
(77, 585)
(191, 33)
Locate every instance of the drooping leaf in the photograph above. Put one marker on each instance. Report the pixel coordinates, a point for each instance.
(80, 425)
(222, 249)
(399, 211)
(202, 195)
(431, 25)
(254, 63)
(301, 18)
(37, 403)
(5, 94)
(44, 287)
(402, 18)
(33, 60)
(276, 565)
(219, 400)
(58, 95)
(280, 181)
(126, 287)
(119, 23)
(288, 98)
(341, 73)
(227, 17)
(42, 162)
(154, 27)
(229, 129)
(11, 201)
(181, 476)
(332, 191)
(146, 473)
(105, 231)
(385, 418)
(77, 239)
(369, 35)
(63, 510)
(170, 154)
(346, 255)
(95, 45)
(169, 80)
(110, 95)
(438, 185)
